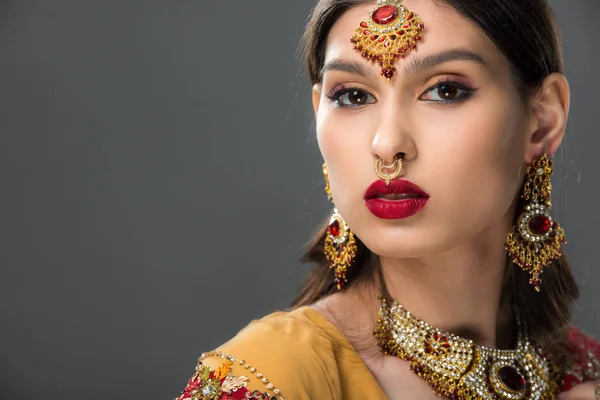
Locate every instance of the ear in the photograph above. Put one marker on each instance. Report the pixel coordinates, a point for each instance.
(316, 97)
(549, 112)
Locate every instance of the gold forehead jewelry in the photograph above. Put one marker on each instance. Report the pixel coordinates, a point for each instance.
(381, 167)
(457, 368)
(389, 34)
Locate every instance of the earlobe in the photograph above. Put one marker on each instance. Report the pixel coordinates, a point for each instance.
(316, 97)
(550, 108)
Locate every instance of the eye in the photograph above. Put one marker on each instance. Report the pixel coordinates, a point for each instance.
(446, 92)
(351, 97)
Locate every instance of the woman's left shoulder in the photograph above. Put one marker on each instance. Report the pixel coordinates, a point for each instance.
(583, 341)
(584, 363)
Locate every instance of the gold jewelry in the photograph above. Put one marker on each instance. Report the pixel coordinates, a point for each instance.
(327, 188)
(389, 34)
(340, 248)
(460, 369)
(535, 241)
(380, 168)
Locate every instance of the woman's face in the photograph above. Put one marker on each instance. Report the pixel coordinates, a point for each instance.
(459, 122)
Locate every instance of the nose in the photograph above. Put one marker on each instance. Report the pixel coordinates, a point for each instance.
(393, 139)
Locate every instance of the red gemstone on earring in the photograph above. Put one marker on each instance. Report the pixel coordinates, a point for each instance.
(334, 228)
(364, 25)
(539, 225)
(385, 15)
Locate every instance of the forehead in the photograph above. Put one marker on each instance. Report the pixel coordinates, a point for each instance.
(444, 29)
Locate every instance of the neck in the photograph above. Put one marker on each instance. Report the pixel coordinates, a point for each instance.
(459, 291)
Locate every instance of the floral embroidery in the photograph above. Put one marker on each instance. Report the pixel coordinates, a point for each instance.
(585, 365)
(221, 384)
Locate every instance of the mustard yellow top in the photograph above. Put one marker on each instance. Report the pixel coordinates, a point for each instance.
(285, 355)
(301, 355)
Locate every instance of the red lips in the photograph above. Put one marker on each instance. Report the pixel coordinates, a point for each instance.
(401, 199)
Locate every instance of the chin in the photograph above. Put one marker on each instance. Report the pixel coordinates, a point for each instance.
(415, 247)
(416, 241)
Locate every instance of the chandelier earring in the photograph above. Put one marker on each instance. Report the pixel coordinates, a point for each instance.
(535, 241)
(340, 245)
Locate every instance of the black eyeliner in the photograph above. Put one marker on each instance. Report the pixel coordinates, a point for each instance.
(446, 82)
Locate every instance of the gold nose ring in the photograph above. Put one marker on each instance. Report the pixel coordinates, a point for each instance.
(381, 169)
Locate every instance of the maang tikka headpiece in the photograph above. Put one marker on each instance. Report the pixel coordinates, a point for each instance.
(388, 35)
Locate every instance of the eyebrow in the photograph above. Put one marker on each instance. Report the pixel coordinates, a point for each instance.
(353, 67)
(418, 64)
(414, 65)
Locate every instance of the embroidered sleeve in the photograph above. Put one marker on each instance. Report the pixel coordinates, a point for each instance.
(585, 362)
(232, 379)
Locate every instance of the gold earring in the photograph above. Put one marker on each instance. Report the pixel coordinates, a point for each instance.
(340, 248)
(340, 245)
(327, 188)
(535, 241)
(381, 167)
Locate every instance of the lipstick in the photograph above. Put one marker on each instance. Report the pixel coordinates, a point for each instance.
(401, 199)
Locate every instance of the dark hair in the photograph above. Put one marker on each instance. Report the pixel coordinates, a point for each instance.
(526, 33)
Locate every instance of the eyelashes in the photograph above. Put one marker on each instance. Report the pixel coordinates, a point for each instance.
(445, 91)
(350, 97)
(448, 91)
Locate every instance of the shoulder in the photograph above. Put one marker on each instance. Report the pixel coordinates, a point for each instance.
(283, 354)
(584, 362)
(583, 342)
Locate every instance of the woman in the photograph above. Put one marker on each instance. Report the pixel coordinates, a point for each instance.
(440, 272)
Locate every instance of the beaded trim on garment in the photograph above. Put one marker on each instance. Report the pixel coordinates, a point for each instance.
(221, 384)
(460, 369)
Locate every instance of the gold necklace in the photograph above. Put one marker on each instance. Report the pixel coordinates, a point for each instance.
(460, 369)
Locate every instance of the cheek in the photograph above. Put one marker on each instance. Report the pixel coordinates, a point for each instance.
(497, 153)
(337, 132)
(480, 152)
(344, 138)
(482, 132)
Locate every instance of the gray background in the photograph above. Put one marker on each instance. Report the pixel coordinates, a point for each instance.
(160, 176)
